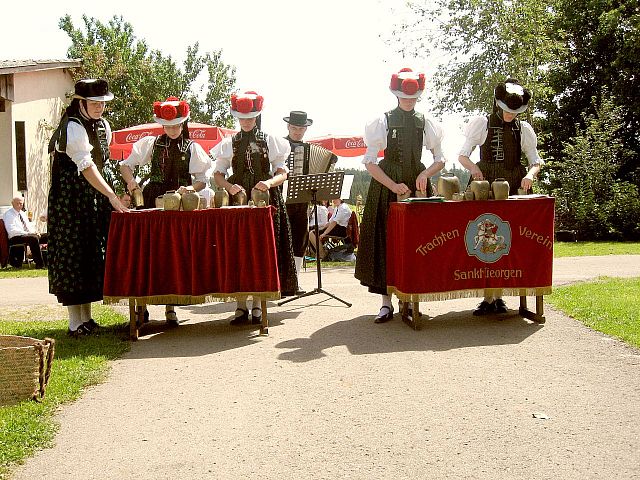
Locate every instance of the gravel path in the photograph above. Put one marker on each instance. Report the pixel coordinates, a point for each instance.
(329, 395)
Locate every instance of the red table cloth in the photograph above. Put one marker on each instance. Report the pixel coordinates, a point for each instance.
(446, 250)
(175, 257)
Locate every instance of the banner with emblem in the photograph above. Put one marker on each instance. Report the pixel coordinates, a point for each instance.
(446, 250)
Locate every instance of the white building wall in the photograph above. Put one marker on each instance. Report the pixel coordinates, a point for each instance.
(7, 158)
(40, 98)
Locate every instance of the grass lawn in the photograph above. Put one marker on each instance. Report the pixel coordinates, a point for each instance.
(10, 272)
(29, 426)
(580, 249)
(608, 305)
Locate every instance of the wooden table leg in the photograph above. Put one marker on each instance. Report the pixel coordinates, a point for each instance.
(538, 316)
(264, 327)
(414, 320)
(133, 320)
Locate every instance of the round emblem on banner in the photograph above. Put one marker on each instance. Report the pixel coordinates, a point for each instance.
(488, 237)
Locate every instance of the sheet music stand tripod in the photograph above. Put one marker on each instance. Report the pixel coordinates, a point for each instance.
(311, 188)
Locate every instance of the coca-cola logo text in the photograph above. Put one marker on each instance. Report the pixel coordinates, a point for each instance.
(199, 134)
(353, 143)
(134, 137)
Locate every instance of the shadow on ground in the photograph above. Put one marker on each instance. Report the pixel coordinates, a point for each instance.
(453, 330)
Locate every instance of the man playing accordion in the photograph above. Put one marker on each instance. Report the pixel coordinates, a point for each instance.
(304, 159)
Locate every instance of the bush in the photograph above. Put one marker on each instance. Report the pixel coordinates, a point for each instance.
(590, 198)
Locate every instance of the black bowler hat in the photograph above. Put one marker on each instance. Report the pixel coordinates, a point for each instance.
(96, 89)
(299, 119)
(512, 97)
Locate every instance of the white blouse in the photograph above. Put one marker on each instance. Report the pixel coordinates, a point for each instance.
(341, 215)
(142, 151)
(279, 150)
(375, 137)
(476, 134)
(78, 146)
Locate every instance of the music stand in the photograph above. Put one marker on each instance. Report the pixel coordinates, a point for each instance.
(311, 188)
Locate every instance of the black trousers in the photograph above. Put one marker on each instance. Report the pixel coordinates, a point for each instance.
(16, 255)
(299, 221)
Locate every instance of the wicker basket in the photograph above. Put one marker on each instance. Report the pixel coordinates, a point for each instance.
(25, 365)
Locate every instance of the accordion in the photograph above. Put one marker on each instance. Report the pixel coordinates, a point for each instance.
(310, 158)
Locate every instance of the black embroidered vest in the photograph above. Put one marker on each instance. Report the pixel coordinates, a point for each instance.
(250, 160)
(170, 162)
(501, 152)
(404, 141)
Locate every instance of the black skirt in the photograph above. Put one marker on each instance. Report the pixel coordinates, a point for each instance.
(371, 260)
(78, 224)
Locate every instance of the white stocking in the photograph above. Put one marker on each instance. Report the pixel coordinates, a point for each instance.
(75, 317)
(85, 312)
(298, 265)
(255, 305)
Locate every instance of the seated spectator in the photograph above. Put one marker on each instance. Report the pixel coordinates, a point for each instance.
(323, 216)
(21, 231)
(337, 226)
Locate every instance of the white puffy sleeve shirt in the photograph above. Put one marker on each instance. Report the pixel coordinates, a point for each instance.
(142, 151)
(78, 146)
(341, 215)
(375, 138)
(279, 150)
(475, 134)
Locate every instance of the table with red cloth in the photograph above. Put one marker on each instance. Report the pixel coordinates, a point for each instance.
(181, 258)
(458, 249)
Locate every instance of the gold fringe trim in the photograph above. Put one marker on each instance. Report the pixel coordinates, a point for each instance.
(189, 299)
(471, 293)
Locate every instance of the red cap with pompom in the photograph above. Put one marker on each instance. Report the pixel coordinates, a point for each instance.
(246, 105)
(407, 84)
(171, 112)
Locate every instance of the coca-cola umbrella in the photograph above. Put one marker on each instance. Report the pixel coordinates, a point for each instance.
(343, 146)
(208, 136)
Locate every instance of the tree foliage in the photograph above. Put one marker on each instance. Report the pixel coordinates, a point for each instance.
(138, 75)
(603, 52)
(590, 197)
(485, 41)
(360, 185)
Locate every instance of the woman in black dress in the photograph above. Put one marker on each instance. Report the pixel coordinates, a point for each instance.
(80, 204)
(402, 133)
(253, 155)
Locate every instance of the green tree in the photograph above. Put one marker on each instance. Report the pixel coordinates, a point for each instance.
(603, 52)
(590, 197)
(360, 186)
(138, 75)
(483, 41)
(565, 52)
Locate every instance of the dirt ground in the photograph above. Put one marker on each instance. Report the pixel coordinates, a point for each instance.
(329, 394)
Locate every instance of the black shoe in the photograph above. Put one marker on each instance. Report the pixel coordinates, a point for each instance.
(484, 308)
(92, 325)
(384, 317)
(241, 317)
(300, 292)
(501, 307)
(81, 331)
(256, 319)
